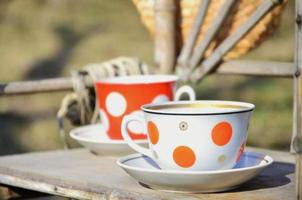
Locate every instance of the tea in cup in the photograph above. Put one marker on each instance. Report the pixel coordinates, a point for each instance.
(120, 96)
(193, 135)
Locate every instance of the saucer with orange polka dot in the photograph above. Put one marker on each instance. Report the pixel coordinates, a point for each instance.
(94, 138)
(149, 174)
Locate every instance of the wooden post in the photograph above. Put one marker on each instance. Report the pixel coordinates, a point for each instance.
(297, 114)
(165, 35)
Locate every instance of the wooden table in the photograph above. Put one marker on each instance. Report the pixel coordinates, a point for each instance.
(82, 175)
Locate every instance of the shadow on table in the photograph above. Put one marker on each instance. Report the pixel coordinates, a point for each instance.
(273, 176)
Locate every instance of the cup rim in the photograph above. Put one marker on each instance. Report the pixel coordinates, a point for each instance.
(238, 107)
(138, 79)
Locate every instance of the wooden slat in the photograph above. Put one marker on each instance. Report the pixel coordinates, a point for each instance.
(223, 12)
(165, 35)
(35, 86)
(211, 62)
(82, 175)
(239, 67)
(257, 68)
(185, 54)
(38, 86)
(297, 114)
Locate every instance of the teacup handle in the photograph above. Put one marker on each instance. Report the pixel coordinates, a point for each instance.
(185, 89)
(126, 120)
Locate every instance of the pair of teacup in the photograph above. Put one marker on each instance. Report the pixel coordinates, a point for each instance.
(182, 135)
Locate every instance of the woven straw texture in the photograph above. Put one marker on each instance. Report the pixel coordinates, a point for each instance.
(241, 11)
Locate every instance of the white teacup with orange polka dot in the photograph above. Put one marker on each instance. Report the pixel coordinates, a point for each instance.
(193, 135)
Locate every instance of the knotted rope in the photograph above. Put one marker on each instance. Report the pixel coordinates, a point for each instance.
(80, 106)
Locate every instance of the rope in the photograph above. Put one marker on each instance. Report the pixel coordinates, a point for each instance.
(80, 106)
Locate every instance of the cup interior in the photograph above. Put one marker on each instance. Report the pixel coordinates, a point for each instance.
(198, 107)
(139, 79)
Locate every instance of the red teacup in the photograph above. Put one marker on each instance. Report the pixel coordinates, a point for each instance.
(120, 96)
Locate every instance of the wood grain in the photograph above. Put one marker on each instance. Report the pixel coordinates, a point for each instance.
(239, 67)
(297, 113)
(211, 33)
(257, 68)
(165, 35)
(82, 175)
(211, 62)
(186, 51)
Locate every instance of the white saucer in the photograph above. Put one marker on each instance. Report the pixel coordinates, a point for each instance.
(146, 171)
(94, 138)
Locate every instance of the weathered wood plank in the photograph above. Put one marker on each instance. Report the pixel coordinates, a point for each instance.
(165, 35)
(9, 192)
(298, 176)
(257, 68)
(49, 188)
(211, 33)
(35, 86)
(239, 67)
(82, 175)
(186, 51)
(297, 114)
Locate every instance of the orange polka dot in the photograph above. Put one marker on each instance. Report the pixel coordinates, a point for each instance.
(184, 156)
(222, 133)
(153, 132)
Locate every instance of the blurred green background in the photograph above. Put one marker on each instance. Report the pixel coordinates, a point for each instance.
(49, 38)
